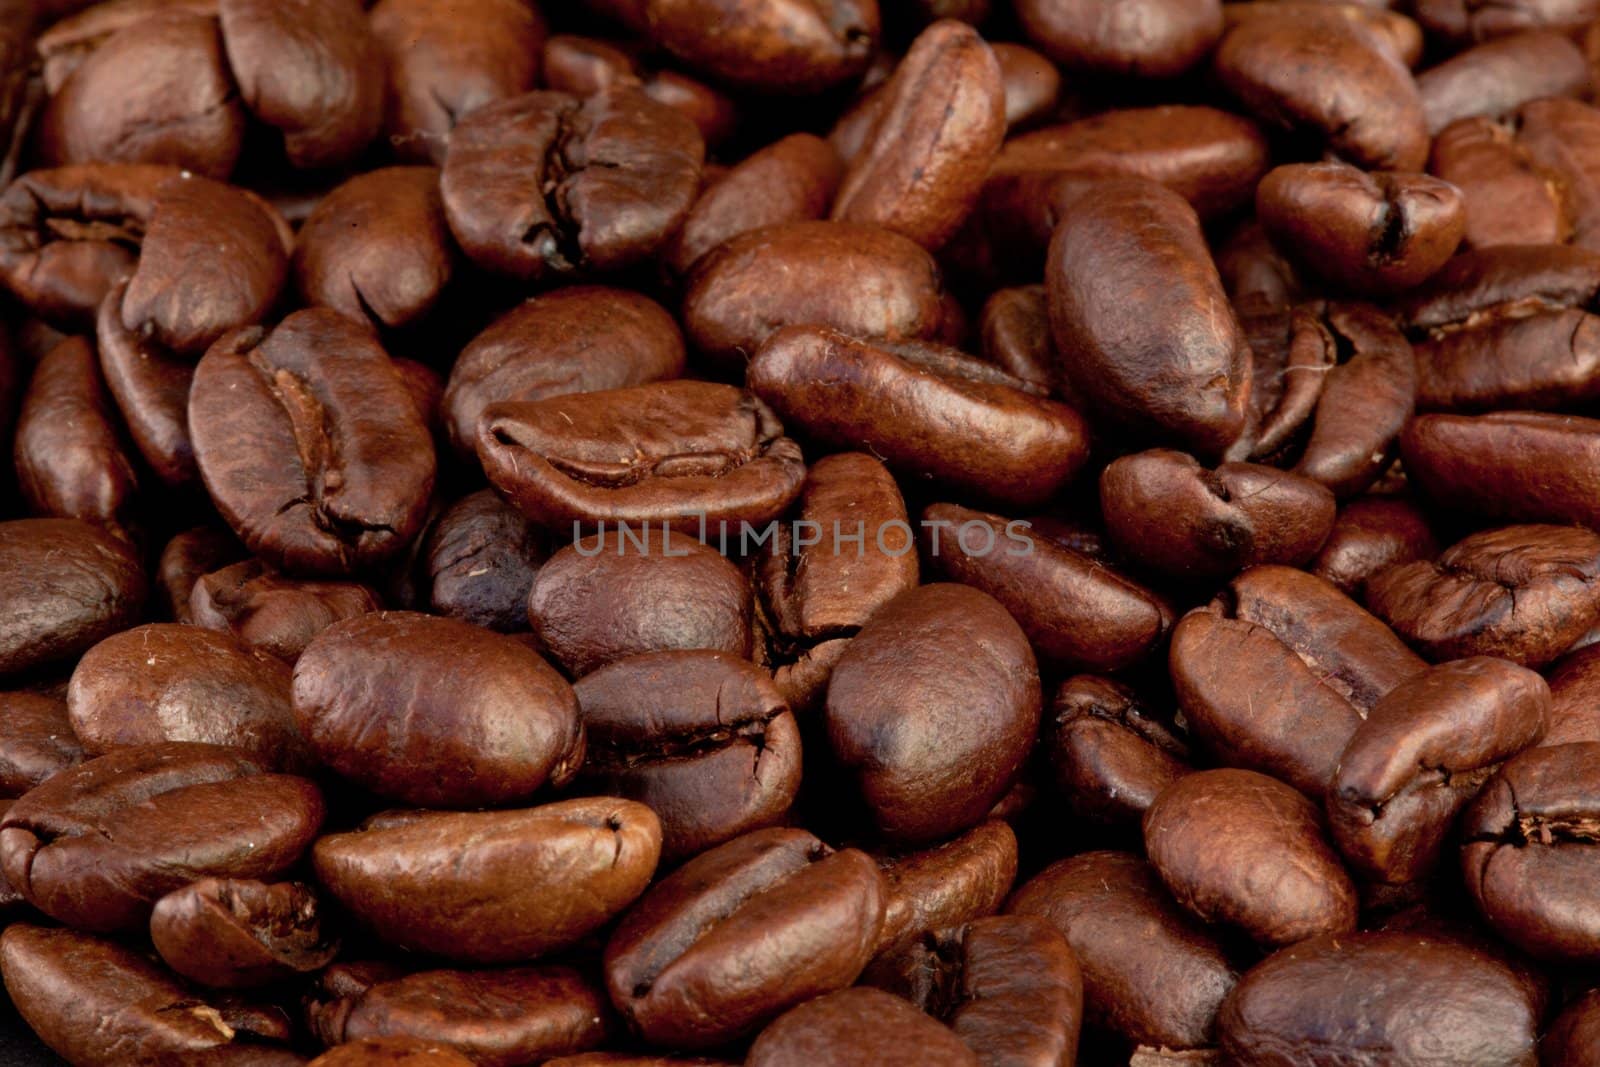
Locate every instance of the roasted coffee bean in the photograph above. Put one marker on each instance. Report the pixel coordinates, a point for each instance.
(942, 121)
(1508, 195)
(188, 557)
(1278, 672)
(925, 409)
(859, 1026)
(581, 339)
(1153, 39)
(862, 280)
(1458, 23)
(965, 878)
(1561, 134)
(617, 594)
(1178, 368)
(377, 248)
(166, 682)
(481, 558)
(545, 186)
(309, 445)
(1574, 709)
(1078, 613)
(1383, 997)
(1239, 848)
(310, 68)
(1573, 1040)
(157, 91)
(1150, 972)
(230, 933)
(1110, 755)
(928, 754)
(392, 1052)
(1529, 852)
(1015, 327)
(1369, 534)
(1008, 985)
(1401, 34)
(1331, 79)
(494, 886)
(446, 59)
(1500, 76)
(679, 454)
(584, 66)
(703, 738)
(151, 388)
(741, 934)
(1171, 515)
(36, 740)
(1525, 593)
(779, 46)
(498, 1018)
(98, 1003)
(1376, 233)
(1421, 756)
(72, 454)
(435, 712)
(1518, 465)
(96, 845)
(68, 585)
(272, 613)
(1031, 81)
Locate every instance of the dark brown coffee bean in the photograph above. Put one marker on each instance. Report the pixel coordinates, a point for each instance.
(1178, 368)
(481, 558)
(498, 1018)
(1525, 593)
(1015, 327)
(703, 738)
(1384, 997)
(931, 755)
(446, 59)
(1031, 81)
(392, 1052)
(309, 444)
(1523, 465)
(863, 1026)
(1573, 1040)
(166, 682)
(1529, 852)
(310, 68)
(1458, 22)
(584, 66)
(862, 280)
(781, 46)
(1375, 233)
(67, 235)
(1369, 534)
(230, 933)
(1509, 196)
(581, 339)
(1422, 755)
(1238, 848)
(942, 121)
(69, 584)
(1171, 515)
(613, 595)
(1574, 697)
(158, 91)
(948, 885)
(1400, 34)
(1078, 613)
(925, 409)
(72, 454)
(495, 886)
(1110, 755)
(188, 557)
(98, 1003)
(545, 186)
(1562, 135)
(377, 248)
(1278, 672)
(271, 613)
(1500, 76)
(434, 712)
(1330, 78)
(98, 844)
(1153, 39)
(151, 388)
(1151, 973)
(36, 740)
(680, 454)
(742, 933)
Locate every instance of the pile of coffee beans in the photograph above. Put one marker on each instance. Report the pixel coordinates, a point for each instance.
(801, 532)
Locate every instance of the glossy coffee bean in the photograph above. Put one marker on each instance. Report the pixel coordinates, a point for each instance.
(495, 886)
(927, 761)
(166, 682)
(1508, 195)
(150, 385)
(309, 445)
(859, 1025)
(1573, 1040)
(435, 712)
(703, 738)
(97, 845)
(391, 1052)
(481, 558)
(1500, 75)
(742, 933)
(1155, 38)
(1422, 755)
(1015, 328)
(272, 613)
(1574, 713)
(781, 46)
(1525, 593)
(231, 933)
(1369, 534)
(36, 740)
(70, 585)
(966, 878)
(1110, 754)
(1486, 464)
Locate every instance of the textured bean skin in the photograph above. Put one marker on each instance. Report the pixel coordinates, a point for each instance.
(858, 1022)
(482, 556)
(784, 46)
(1453, 458)
(965, 878)
(70, 585)
(271, 613)
(36, 740)
(1154, 38)
(231, 933)
(1110, 755)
